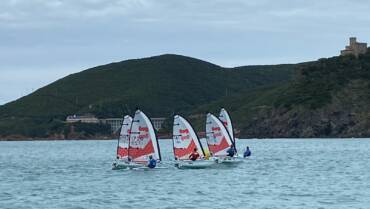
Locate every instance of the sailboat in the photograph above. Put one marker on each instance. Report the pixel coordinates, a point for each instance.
(226, 120)
(142, 143)
(218, 139)
(123, 141)
(185, 140)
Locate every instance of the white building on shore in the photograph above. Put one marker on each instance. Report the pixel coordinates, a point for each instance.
(82, 119)
(115, 123)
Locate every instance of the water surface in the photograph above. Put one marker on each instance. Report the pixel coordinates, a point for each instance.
(282, 173)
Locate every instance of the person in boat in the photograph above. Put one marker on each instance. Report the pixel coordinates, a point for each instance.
(152, 162)
(194, 155)
(231, 151)
(247, 152)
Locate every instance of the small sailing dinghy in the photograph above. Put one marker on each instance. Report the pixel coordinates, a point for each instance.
(219, 140)
(226, 120)
(142, 143)
(185, 140)
(122, 145)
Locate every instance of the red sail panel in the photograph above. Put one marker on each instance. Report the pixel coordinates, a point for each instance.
(183, 153)
(218, 147)
(122, 152)
(138, 152)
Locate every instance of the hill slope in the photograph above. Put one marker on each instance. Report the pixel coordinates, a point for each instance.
(327, 98)
(159, 85)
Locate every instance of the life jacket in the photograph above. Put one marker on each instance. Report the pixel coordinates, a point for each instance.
(230, 152)
(152, 163)
(247, 153)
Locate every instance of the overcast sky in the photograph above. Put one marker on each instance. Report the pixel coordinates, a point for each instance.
(44, 40)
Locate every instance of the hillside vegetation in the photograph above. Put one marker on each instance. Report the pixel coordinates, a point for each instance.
(327, 98)
(159, 85)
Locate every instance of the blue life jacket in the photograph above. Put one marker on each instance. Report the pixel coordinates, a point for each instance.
(247, 153)
(152, 163)
(230, 152)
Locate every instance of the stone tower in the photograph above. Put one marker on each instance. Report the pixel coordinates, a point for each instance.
(355, 48)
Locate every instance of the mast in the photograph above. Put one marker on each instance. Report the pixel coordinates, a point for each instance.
(143, 139)
(174, 135)
(229, 125)
(129, 139)
(156, 138)
(119, 137)
(124, 134)
(232, 141)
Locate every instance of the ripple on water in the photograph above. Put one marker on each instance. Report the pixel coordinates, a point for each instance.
(280, 174)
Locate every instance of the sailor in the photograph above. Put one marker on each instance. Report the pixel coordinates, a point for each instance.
(231, 151)
(194, 155)
(152, 162)
(247, 152)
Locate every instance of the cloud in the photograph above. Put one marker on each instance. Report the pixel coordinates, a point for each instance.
(63, 36)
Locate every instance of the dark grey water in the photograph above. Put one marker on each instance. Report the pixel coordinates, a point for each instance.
(281, 174)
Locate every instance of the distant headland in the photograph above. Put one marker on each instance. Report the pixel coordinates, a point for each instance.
(324, 98)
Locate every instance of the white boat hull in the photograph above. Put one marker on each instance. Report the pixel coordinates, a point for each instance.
(127, 165)
(198, 164)
(230, 160)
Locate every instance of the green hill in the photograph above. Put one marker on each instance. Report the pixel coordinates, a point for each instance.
(159, 85)
(327, 98)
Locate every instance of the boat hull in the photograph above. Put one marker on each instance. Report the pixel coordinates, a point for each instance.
(127, 165)
(230, 160)
(198, 164)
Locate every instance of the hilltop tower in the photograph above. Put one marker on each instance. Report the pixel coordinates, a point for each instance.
(355, 48)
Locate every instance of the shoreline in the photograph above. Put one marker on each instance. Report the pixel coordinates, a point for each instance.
(108, 139)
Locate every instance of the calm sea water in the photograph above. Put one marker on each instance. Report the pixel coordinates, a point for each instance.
(311, 173)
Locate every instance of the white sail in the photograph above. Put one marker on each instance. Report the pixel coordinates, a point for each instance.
(123, 141)
(226, 120)
(218, 138)
(143, 141)
(184, 139)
